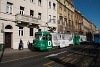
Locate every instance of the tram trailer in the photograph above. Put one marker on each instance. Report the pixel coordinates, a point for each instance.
(48, 41)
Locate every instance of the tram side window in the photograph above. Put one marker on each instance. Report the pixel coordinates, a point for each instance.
(48, 37)
(39, 37)
(43, 37)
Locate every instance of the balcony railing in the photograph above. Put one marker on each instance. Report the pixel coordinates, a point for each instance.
(7, 17)
(27, 19)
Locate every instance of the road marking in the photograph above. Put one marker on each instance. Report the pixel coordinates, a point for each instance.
(31, 56)
(51, 55)
(62, 58)
(67, 59)
(76, 51)
(70, 54)
(74, 60)
(48, 63)
(23, 58)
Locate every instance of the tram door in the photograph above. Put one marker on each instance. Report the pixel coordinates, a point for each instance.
(49, 41)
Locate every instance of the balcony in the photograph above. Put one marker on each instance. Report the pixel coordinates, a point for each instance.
(26, 19)
(52, 24)
(7, 17)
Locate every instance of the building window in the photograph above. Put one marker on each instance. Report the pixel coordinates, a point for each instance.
(64, 12)
(9, 8)
(54, 19)
(39, 16)
(20, 31)
(54, 6)
(68, 15)
(50, 18)
(65, 22)
(72, 25)
(60, 21)
(21, 10)
(60, 10)
(31, 13)
(49, 4)
(72, 16)
(31, 1)
(31, 31)
(39, 2)
(64, 2)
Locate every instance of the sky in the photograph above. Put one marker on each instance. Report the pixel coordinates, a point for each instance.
(90, 9)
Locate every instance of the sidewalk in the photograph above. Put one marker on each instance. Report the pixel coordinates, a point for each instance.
(8, 51)
(11, 54)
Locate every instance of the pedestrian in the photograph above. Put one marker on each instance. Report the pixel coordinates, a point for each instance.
(21, 45)
(28, 44)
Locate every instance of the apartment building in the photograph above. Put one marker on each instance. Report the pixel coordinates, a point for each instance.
(87, 25)
(65, 16)
(50, 14)
(93, 28)
(20, 19)
(78, 22)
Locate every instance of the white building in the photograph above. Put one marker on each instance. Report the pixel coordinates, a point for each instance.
(20, 19)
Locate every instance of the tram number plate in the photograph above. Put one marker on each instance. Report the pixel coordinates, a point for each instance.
(49, 43)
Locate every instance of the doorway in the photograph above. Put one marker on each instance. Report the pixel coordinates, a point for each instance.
(8, 39)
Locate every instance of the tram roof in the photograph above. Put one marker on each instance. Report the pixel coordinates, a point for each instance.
(43, 32)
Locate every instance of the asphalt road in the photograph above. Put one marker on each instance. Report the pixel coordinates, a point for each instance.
(76, 56)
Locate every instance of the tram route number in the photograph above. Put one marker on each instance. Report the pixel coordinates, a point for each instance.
(49, 43)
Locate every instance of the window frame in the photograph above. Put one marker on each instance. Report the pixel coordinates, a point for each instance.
(49, 18)
(54, 19)
(32, 13)
(31, 31)
(54, 6)
(21, 31)
(39, 16)
(39, 2)
(22, 10)
(9, 8)
(49, 4)
(32, 1)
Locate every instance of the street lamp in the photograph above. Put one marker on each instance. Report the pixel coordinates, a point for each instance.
(51, 28)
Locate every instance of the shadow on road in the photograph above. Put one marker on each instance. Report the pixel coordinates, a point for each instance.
(65, 64)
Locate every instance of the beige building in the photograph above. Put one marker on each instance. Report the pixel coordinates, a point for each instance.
(65, 16)
(87, 25)
(94, 29)
(79, 22)
(20, 19)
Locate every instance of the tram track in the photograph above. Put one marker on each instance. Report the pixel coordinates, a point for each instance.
(88, 57)
(95, 59)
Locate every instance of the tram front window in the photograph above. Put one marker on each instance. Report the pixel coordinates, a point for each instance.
(39, 37)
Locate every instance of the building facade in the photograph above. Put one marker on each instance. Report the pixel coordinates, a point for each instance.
(79, 22)
(20, 19)
(65, 16)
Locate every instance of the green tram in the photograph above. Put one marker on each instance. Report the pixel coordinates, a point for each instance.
(43, 41)
(47, 40)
